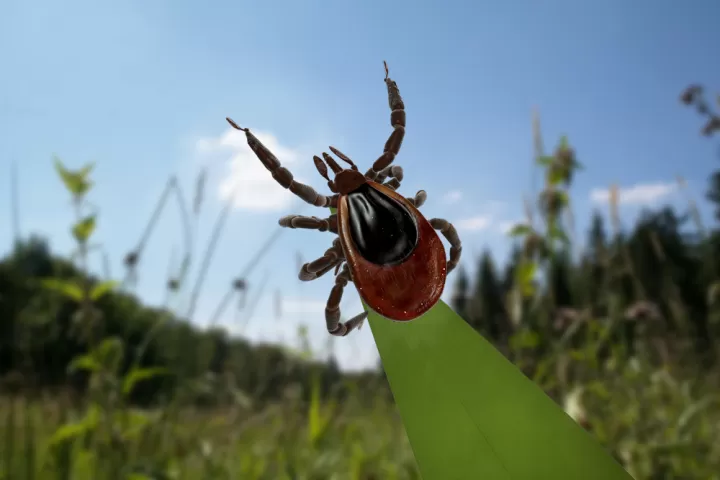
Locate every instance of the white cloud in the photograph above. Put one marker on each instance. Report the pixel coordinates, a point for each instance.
(452, 197)
(253, 185)
(479, 222)
(638, 194)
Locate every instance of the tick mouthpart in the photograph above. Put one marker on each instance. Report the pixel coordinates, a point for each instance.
(348, 181)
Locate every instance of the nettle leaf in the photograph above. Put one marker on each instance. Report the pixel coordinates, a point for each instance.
(525, 276)
(86, 363)
(68, 432)
(110, 353)
(524, 339)
(556, 176)
(545, 160)
(102, 288)
(520, 230)
(66, 287)
(557, 233)
(76, 182)
(136, 376)
(84, 228)
(563, 198)
(73, 430)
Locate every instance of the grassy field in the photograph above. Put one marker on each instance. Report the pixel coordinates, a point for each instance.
(286, 440)
(625, 340)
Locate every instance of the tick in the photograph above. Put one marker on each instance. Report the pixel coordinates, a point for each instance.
(384, 245)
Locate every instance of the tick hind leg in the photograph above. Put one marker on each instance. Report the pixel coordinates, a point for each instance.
(449, 232)
(397, 120)
(332, 310)
(332, 258)
(311, 223)
(281, 174)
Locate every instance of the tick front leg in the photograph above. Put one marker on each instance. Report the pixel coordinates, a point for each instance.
(332, 310)
(419, 199)
(395, 172)
(281, 174)
(449, 232)
(332, 257)
(397, 120)
(311, 223)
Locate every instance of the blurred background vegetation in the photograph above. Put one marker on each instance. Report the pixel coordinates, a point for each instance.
(623, 333)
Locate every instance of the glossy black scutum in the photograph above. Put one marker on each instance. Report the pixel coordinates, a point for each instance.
(384, 231)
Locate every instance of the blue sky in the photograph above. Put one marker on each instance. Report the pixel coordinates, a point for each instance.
(143, 88)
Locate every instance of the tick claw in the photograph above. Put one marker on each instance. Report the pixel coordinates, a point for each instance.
(235, 125)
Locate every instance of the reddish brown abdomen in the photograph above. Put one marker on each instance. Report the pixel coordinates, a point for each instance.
(404, 291)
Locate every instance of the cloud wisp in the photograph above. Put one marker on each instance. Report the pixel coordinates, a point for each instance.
(640, 194)
(452, 197)
(474, 224)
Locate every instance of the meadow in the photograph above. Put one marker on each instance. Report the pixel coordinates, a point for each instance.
(620, 328)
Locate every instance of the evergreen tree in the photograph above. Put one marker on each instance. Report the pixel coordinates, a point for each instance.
(488, 307)
(461, 292)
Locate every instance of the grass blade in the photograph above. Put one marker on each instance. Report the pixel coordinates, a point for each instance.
(470, 413)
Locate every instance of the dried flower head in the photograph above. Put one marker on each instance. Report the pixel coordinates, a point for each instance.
(712, 126)
(690, 94)
(239, 284)
(131, 259)
(566, 316)
(643, 311)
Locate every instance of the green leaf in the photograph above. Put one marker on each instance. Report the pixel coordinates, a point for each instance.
(136, 376)
(67, 432)
(524, 339)
(556, 176)
(73, 430)
(545, 160)
(520, 230)
(525, 276)
(77, 182)
(110, 353)
(99, 290)
(470, 413)
(318, 420)
(84, 362)
(66, 287)
(84, 228)
(557, 233)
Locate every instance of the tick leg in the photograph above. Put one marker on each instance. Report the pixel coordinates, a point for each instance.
(332, 257)
(395, 172)
(419, 199)
(312, 223)
(332, 310)
(397, 120)
(281, 174)
(449, 232)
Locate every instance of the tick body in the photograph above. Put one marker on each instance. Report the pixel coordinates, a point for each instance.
(384, 245)
(396, 259)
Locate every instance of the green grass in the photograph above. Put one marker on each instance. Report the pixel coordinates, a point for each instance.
(283, 441)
